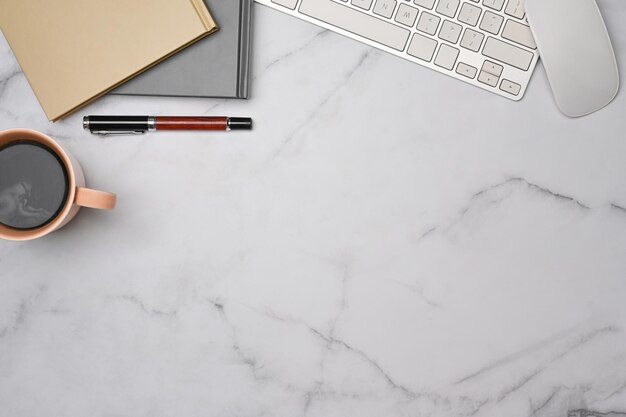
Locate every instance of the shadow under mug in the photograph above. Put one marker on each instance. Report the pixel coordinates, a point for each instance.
(77, 196)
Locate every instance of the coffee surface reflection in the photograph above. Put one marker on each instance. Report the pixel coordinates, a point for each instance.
(33, 185)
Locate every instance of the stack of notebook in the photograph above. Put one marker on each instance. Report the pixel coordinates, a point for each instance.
(74, 51)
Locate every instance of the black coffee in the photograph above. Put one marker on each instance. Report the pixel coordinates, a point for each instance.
(33, 185)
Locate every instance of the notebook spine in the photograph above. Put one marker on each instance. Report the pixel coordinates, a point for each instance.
(205, 16)
(245, 21)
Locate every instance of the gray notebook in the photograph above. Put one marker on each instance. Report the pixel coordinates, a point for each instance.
(216, 66)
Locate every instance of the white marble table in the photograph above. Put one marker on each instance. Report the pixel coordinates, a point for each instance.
(386, 242)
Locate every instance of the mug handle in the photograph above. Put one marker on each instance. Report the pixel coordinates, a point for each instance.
(86, 197)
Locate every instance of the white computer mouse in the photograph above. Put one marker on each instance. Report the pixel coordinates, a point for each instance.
(577, 54)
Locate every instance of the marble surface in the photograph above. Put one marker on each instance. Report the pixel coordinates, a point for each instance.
(387, 242)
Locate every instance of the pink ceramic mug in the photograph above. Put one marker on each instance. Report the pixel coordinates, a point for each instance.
(77, 196)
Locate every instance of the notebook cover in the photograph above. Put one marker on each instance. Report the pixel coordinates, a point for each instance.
(73, 51)
(213, 67)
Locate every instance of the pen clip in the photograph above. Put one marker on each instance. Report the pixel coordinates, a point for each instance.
(117, 132)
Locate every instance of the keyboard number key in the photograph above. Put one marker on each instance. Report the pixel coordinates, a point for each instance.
(466, 70)
(510, 87)
(422, 47)
(406, 15)
(428, 23)
(385, 8)
(446, 58)
(472, 40)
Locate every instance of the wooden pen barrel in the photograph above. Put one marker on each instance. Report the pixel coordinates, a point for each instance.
(190, 123)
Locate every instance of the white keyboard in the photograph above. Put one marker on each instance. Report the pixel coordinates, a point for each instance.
(486, 43)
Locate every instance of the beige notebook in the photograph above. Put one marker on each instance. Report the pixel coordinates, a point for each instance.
(73, 51)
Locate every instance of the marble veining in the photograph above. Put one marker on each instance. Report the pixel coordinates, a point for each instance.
(386, 242)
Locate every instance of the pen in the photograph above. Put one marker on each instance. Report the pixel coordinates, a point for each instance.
(137, 125)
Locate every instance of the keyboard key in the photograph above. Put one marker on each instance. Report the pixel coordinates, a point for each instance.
(359, 23)
(519, 33)
(489, 79)
(492, 68)
(516, 8)
(469, 14)
(444, 35)
(290, 4)
(450, 31)
(472, 40)
(510, 87)
(428, 23)
(507, 53)
(494, 4)
(447, 7)
(385, 8)
(491, 22)
(446, 58)
(406, 15)
(427, 4)
(466, 70)
(421, 47)
(363, 4)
